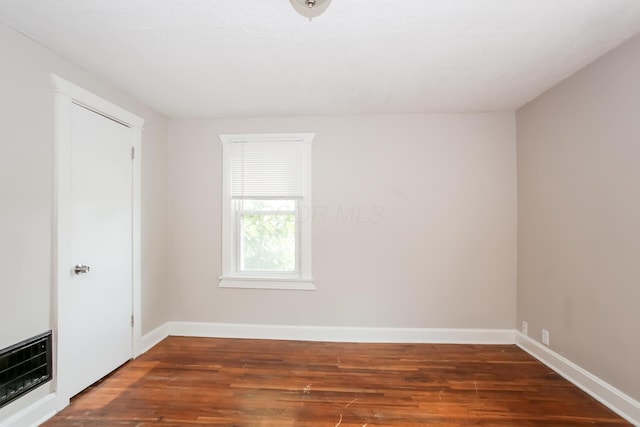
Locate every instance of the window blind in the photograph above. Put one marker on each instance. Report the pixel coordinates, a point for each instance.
(266, 170)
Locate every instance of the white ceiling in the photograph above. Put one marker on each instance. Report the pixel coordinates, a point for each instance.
(215, 58)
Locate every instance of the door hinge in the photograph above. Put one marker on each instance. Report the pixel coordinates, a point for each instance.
(133, 153)
(132, 320)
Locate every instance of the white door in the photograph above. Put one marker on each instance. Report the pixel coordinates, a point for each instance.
(95, 331)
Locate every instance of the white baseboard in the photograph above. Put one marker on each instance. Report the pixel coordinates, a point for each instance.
(152, 338)
(34, 414)
(343, 334)
(605, 393)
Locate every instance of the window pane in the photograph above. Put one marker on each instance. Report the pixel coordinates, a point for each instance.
(268, 243)
(268, 205)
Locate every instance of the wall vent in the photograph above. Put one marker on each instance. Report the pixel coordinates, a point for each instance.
(24, 366)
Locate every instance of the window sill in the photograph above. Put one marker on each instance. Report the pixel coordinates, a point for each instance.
(297, 284)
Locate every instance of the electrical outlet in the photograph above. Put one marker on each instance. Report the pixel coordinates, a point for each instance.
(545, 337)
(525, 328)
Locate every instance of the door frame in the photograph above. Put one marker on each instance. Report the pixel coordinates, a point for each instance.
(66, 94)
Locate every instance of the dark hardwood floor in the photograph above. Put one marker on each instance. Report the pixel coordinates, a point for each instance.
(204, 381)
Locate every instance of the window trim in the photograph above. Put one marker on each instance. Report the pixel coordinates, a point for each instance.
(231, 277)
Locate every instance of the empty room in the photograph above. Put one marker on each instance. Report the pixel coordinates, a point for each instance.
(319, 213)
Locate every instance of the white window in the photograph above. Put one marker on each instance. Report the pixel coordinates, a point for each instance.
(266, 205)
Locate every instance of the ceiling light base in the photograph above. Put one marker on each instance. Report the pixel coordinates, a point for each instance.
(310, 8)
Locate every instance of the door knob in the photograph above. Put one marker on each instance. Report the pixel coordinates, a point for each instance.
(80, 269)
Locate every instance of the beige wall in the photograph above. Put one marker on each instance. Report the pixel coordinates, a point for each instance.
(442, 254)
(26, 176)
(579, 217)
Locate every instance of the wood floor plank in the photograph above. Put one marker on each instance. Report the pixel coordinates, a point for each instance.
(228, 382)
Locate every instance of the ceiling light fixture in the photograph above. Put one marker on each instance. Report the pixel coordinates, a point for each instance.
(310, 8)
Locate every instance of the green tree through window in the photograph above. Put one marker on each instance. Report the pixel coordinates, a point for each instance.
(269, 242)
